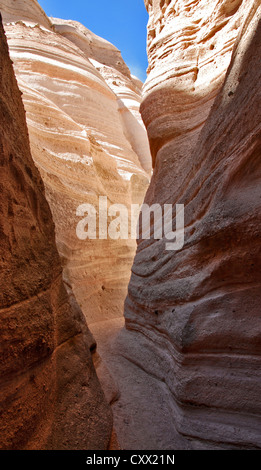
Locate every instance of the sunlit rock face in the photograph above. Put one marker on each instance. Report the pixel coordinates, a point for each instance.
(189, 50)
(28, 10)
(87, 139)
(193, 316)
(50, 397)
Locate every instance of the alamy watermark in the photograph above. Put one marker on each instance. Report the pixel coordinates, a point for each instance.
(116, 222)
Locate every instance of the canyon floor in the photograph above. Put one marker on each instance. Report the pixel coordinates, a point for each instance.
(142, 416)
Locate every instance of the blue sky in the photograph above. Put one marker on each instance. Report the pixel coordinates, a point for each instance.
(122, 22)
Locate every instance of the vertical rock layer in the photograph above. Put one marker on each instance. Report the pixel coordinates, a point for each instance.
(87, 139)
(194, 314)
(50, 396)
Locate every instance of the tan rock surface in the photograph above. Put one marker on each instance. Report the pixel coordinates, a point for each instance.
(15, 10)
(88, 140)
(187, 368)
(50, 396)
(189, 50)
(194, 315)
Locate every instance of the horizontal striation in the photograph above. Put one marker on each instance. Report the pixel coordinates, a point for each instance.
(50, 397)
(194, 315)
(88, 140)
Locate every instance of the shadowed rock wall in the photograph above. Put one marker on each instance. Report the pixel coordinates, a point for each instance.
(193, 316)
(50, 397)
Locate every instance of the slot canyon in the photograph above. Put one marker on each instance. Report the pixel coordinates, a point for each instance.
(121, 344)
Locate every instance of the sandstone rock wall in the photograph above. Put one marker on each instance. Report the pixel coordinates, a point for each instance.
(193, 316)
(87, 139)
(15, 10)
(50, 397)
(189, 50)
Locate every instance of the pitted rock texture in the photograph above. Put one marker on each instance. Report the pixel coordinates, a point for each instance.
(50, 397)
(189, 50)
(193, 316)
(87, 139)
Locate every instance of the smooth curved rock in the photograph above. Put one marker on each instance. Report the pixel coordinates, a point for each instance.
(189, 50)
(87, 139)
(15, 10)
(193, 316)
(50, 397)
